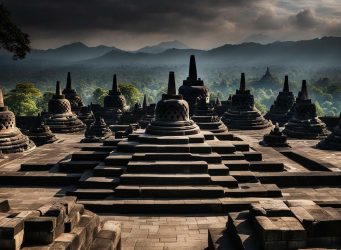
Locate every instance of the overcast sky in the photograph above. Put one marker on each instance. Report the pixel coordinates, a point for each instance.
(131, 24)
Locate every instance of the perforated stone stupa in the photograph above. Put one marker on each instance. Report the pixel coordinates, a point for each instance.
(40, 133)
(242, 113)
(333, 141)
(86, 115)
(71, 94)
(11, 138)
(97, 132)
(304, 123)
(60, 117)
(280, 111)
(114, 104)
(193, 88)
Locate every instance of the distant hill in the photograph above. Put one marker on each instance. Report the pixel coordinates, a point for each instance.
(161, 47)
(257, 38)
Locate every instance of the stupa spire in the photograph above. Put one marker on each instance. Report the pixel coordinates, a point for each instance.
(2, 103)
(286, 84)
(192, 69)
(114, 84)
(68, 81)
(242, 82)
(304, 91)
(58, 90)
(145, 104)
(171, 84)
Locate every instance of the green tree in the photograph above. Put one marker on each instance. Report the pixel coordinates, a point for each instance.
(98, 95)
(12, 38)
(319, 109)
(21, 104)
(28, 89)
(43, 102)
(260, 106)
(131, 93)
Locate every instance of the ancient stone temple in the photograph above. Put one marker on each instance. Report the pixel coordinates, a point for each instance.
(86, 115)
(333, 141)
(304, 123)
(207, 120)
(97, 132)
(280, 111)
(60, 117)
(71, 94)
(40, 133)
(11, 138)
(193, 88)
(114, 104)
(242, 113)
(266, 81)
(275, 138)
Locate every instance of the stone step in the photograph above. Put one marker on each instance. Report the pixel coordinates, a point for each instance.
(167, 167)
(149, 139)
(261, 191)
(89, 156)
(87, 193)
(36, 166)
(224, 181)
(201, 148)
(252, 156)
(241, 146)
(76, 166)
(111, 141)
(160, 206)
(237, 165)
(40, 178)
(224, 136)
(108, 171)
(219, 238)
(222, 147)
(266, 166)
(117, 159)
(241, 231)
(98, 182)
(165, 179)
(234, 156)
(217, 169)
(209, 158)
(98, 148)
(243, 176)
(170, 191)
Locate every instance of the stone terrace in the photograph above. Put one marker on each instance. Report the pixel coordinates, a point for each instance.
(172, 230)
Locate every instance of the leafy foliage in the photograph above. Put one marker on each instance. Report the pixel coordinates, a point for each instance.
(131, 93)
(98, 95)
(11, 37)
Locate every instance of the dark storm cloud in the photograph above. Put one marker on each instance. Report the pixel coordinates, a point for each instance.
(130, 24)
(129, 15)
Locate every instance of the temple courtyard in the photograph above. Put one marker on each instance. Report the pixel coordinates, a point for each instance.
(168, 230)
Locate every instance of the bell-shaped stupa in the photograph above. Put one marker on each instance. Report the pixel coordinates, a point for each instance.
(242, 113)
(280, 111)
(304, 123)
(275, 138)
(60, 117)
(193, 88)
(71, 94)
(333, 141)
(40, 133)
(11, 138)
(97, 132)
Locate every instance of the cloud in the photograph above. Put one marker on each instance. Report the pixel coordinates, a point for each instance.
(130, 24)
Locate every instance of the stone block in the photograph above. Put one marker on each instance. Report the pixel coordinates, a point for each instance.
(11, 233)
(70, 239)
(4, 206)
(270, 208)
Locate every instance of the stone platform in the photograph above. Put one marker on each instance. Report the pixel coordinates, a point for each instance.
(93, 171)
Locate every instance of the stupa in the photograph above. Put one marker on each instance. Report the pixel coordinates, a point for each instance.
(206, 118)
(333, 141)
(60, 117)
(280, 111)
(40, 133)
(266, 81)
(97, 132)
(304, 124)
(11, 138)
(242, 113)
(275, 138)
(71, 94)
(86, 115)
(172, 114)
(114, 104)
(193, 88)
